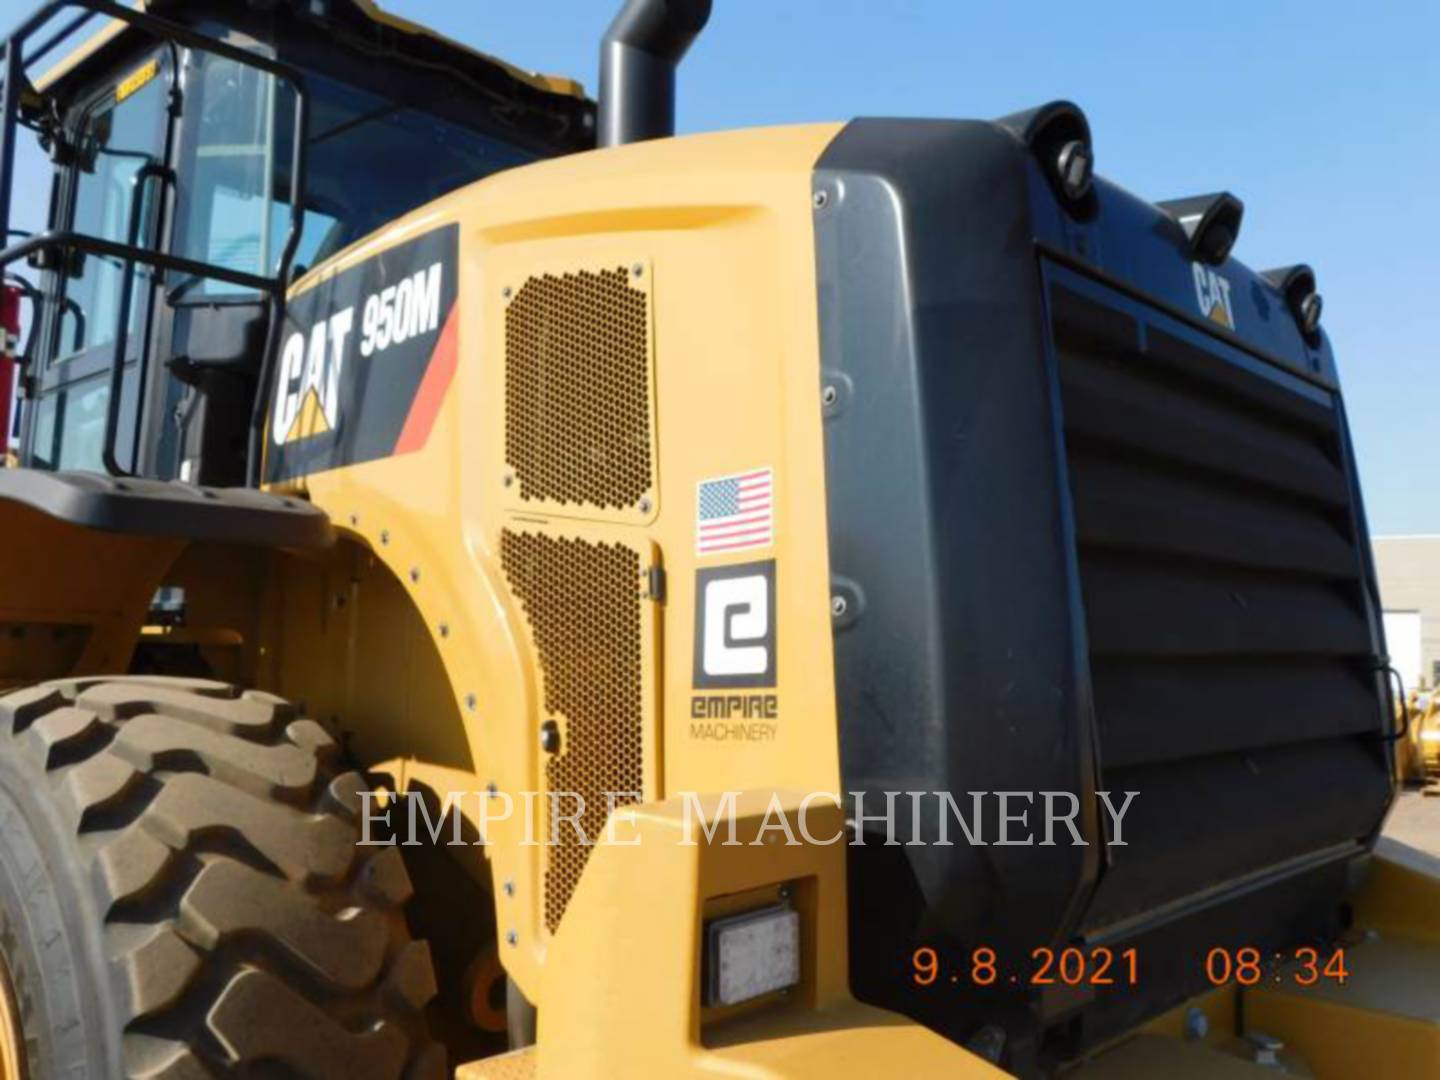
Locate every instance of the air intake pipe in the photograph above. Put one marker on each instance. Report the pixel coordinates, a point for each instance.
(638, 58)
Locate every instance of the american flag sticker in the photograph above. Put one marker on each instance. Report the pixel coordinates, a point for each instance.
(735, 513)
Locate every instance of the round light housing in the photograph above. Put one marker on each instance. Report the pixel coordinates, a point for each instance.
(1075, 166)
(1310, 307)
(1297, 285)
(1058, 135)
(1211, 224)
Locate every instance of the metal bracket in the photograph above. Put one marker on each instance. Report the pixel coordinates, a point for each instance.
(655, 583)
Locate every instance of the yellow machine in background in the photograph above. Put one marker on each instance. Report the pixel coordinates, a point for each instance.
(495, 590)
(1423, 764)
(1417, 757)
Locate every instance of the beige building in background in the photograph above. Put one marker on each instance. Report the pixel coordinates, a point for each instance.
(1409, 572)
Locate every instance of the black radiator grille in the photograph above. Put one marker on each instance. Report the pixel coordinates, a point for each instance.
(1225, 605)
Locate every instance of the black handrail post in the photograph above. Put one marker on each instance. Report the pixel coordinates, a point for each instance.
(117, 362)
(143, 175)
(11, 72)
(256, 444)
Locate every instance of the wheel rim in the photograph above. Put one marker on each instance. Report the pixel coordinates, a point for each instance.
(12, 1042)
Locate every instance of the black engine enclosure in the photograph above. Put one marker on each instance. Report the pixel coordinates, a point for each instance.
(1091, 541)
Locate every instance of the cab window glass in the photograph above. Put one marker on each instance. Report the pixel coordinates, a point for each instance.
(225, 205)
(362, 168)
(118, 134)
(69, 426)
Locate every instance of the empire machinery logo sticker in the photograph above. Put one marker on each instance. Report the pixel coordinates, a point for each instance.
(735, 657)
(1212, 293)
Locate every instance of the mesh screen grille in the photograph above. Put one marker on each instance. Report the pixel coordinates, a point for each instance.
(583, 604)
(577, 389)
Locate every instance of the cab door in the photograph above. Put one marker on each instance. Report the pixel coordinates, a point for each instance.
(120, 141)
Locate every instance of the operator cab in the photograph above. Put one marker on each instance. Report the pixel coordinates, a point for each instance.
(174, 142)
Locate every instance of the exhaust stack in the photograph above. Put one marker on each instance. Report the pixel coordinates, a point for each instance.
(638, 58)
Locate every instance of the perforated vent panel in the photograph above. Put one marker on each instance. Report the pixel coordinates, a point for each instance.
(577, 390)
(583, 604)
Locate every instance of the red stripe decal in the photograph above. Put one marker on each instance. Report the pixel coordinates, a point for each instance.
(736, 546)
(428, 398)
(762, 520)
(721, 538)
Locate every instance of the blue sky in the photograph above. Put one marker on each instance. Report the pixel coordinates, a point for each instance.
(1321, 116)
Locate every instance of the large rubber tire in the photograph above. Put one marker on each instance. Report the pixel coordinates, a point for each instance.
(182, 894)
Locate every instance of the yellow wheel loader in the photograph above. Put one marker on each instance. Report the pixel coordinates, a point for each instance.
(1424, 756)
(492, 589)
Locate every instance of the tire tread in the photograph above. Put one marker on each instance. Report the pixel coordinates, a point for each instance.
(248, 930)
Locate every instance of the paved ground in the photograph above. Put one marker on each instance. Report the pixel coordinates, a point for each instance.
(1415, 823)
